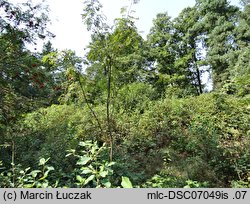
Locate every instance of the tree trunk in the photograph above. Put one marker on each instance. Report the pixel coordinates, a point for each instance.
(109, 69)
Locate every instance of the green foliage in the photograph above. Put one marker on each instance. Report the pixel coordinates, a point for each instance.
(217, 26)
(19, 68)
(201, 135)
(195, 184)
(239, 74)
(203, 138)
(23, 78)
(64, 126)
(163, 181)
(59, 137)
(27, 178)
(92, 15)
(92, 171)
(241, 184)
(135, 96)
(126, 183)
(145, 98)
(175, 55)
(121, 50)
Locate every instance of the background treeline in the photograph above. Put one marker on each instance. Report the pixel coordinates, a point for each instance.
(131, 107)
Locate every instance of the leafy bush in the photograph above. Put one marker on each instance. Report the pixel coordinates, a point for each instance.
(207, 138)
(204, 138)
(16, 177)
(90, 170)
(134, 96)
(164, 181)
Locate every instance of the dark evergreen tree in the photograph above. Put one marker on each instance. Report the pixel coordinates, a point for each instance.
(216, 24)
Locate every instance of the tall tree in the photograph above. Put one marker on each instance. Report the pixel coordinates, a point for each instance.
(173, 53)
(216, 23)
(160, 40)
(240, 63)
(188, 47)
(114, 56)
(21, 73)
(22, 76)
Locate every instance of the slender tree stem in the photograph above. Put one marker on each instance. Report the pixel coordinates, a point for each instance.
(13, 163)
(89, 106)
(130, 7)
(109, 68)
(198, 74)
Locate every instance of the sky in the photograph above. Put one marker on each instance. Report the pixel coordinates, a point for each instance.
(71, 33)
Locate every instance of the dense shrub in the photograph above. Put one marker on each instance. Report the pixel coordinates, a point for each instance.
(203, 139)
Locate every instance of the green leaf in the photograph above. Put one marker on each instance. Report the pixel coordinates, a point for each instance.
(111, 164)
(90, 178)
(43, 161)
(50, 168)
(34, 173)
(71, 152)
(126, 183)
(82, 144)
(86, 143)
(104, 173)
(27, 169)
(83, 160)
(107, 184)
(86, 170)
(80, 179)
